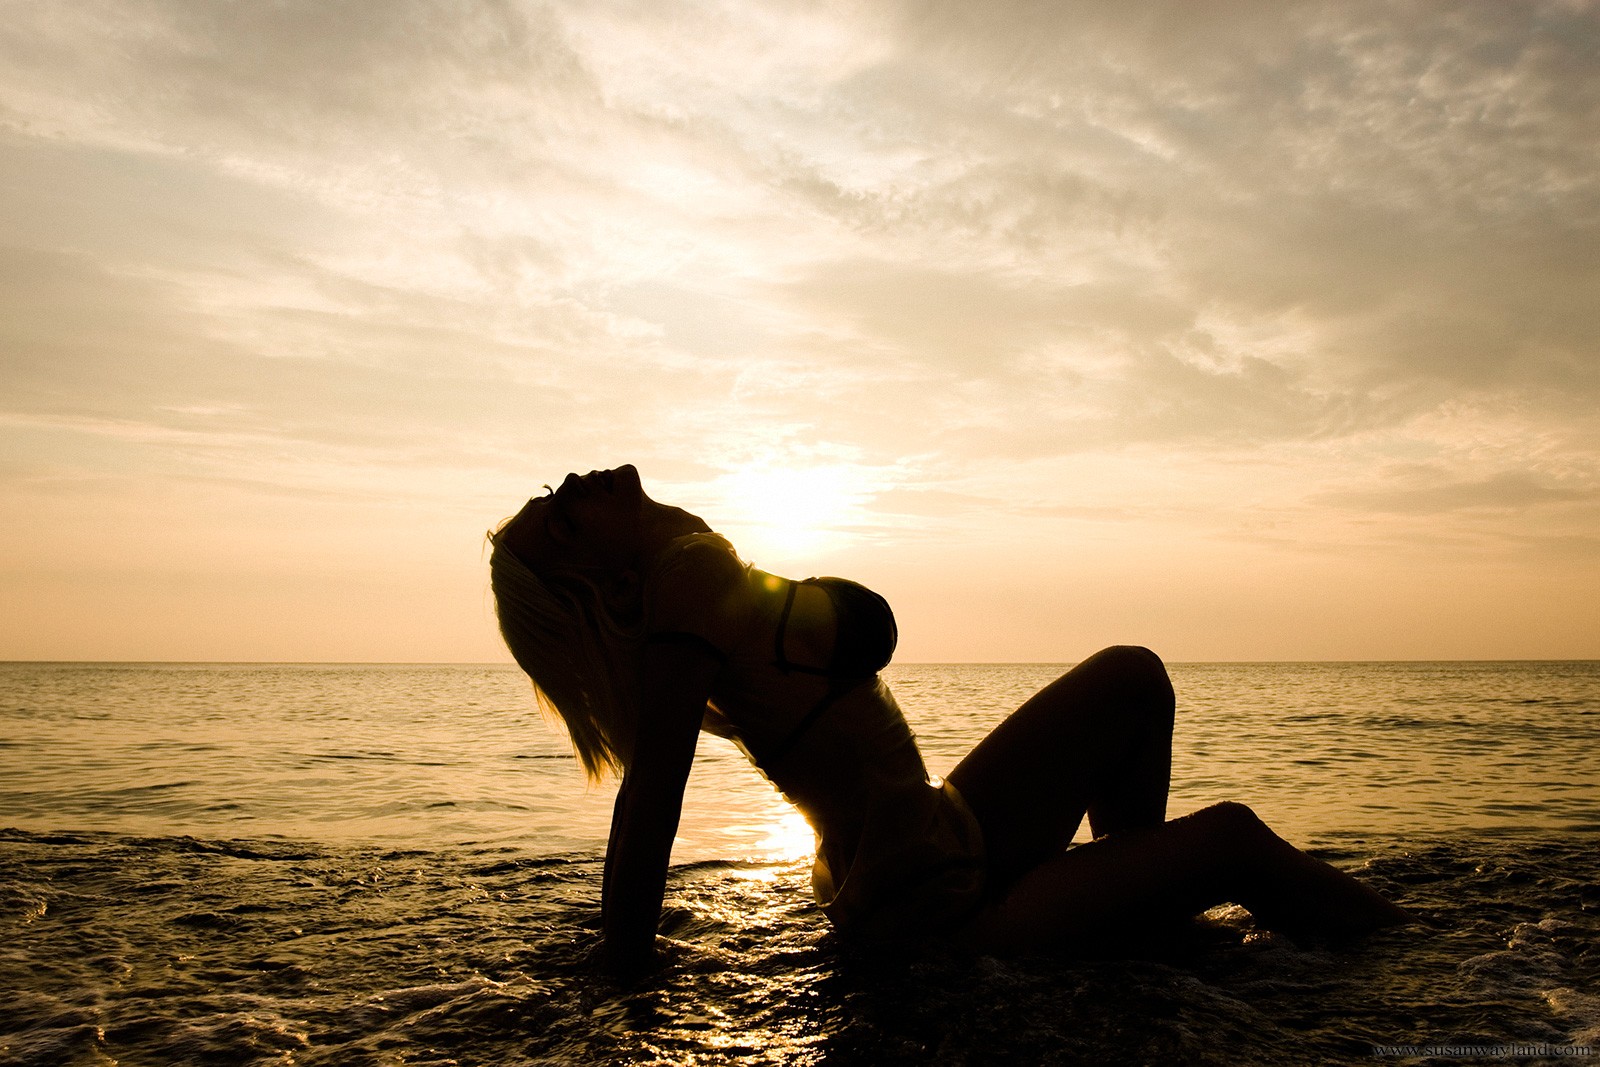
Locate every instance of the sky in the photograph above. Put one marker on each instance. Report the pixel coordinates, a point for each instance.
(1245, 331)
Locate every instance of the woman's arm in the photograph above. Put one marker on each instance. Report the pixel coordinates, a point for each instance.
(675, 683)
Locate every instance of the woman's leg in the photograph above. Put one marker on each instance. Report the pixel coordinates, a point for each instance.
(1096, 740)
(1115, 889)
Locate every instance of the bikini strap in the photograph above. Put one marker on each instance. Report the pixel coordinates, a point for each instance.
(778, 638)
(782, 748)
(783, 627)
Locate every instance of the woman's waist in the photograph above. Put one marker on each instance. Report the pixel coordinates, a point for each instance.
(838, 798)
(785, 723)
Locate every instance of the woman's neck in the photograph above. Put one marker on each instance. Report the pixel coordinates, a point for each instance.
(663, 524)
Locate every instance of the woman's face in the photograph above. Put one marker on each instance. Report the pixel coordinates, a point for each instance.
(589, 521)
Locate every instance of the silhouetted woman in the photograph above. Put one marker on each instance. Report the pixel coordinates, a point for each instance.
(640, 628)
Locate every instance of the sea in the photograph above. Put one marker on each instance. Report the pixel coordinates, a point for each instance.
(400, 864)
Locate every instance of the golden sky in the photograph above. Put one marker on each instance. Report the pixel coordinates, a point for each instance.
(1245, 331)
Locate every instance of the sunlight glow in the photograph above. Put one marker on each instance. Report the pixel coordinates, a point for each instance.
(790, 511)
(791, 838)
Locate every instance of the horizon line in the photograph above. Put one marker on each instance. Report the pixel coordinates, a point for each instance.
(904, 663)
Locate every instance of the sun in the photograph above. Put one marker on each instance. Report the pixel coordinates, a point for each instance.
(791, 511)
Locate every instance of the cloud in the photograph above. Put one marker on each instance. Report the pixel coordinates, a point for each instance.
(1327, 261)
(1429, 491)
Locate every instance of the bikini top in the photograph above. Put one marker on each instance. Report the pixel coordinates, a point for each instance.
(864, 631)
(711, 605)
(864, 639)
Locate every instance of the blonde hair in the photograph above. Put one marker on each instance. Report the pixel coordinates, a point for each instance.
(583, 664)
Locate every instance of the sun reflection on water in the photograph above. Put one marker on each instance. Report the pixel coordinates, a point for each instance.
(789, 837)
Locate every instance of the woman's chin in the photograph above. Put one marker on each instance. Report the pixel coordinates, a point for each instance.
(626, 480)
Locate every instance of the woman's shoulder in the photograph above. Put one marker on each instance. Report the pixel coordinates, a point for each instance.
(699, 556)
(699, 585)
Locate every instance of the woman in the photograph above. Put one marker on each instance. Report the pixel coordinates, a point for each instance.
(640, 628)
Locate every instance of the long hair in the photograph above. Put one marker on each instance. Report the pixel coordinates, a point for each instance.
(584, 665)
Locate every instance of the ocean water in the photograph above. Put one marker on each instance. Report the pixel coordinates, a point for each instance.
(336, 864)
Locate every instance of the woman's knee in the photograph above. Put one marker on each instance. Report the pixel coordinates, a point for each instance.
(1232, 824)
(1130, 660)
(1134, 668)
(1231, 814)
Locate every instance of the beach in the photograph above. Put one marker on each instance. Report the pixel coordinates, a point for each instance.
(300, 863)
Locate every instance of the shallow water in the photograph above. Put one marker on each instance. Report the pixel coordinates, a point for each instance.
(385, 865)
(180, 950)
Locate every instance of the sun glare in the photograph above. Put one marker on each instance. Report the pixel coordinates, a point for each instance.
(787, 512)
(791, 837)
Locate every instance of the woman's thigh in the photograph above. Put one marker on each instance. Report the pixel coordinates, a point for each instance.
(1113, 891)
(1132, 885)
(1098, 739)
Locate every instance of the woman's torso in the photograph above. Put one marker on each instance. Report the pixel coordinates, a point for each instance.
(799, 692)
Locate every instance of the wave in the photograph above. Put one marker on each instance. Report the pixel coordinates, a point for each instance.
(180, 949)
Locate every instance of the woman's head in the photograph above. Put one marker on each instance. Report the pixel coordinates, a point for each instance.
(595, 523)
(564, 571)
